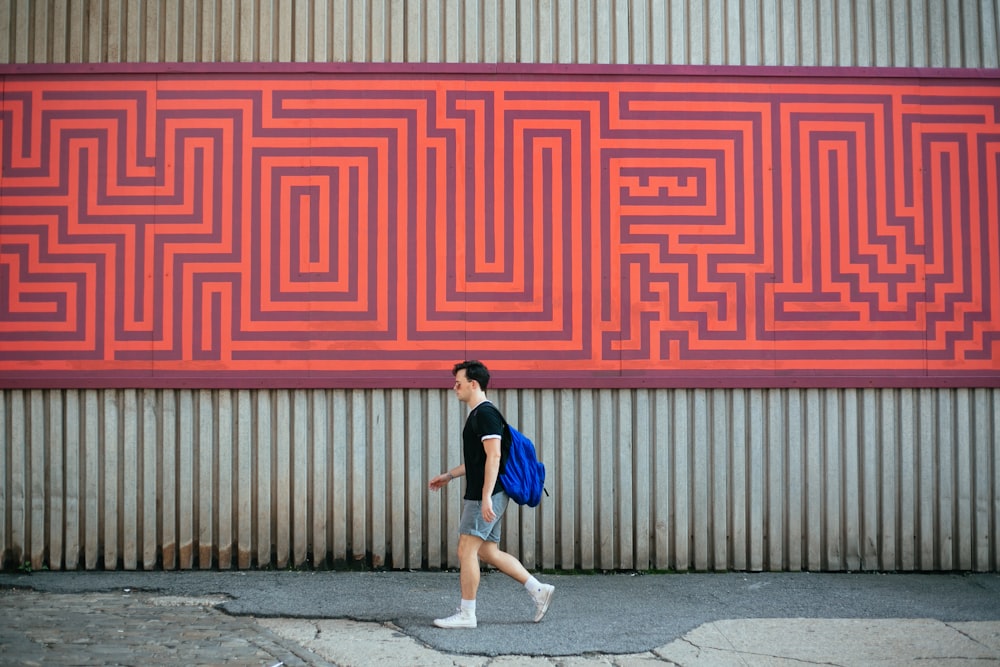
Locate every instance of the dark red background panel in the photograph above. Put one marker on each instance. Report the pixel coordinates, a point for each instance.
(358, 227)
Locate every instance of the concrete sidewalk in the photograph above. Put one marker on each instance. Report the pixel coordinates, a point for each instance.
(354, 618)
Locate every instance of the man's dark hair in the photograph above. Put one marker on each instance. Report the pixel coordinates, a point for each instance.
(474, 370)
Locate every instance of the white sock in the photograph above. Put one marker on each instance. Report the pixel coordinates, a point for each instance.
(533, 586)
(469, 607)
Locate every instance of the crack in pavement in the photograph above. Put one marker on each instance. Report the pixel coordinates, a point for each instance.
(965, 634)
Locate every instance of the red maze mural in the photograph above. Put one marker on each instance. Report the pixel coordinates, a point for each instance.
(586, 227)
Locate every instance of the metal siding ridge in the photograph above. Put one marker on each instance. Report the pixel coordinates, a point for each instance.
(680, 481)
(605, 492)
(281, 485)
(417, 475)
(73, 471)
(206, 479)
(90, 486)
(624, 445)
(244, 482)
(225, 456)
(56, 491)
(358, 483)
(14, 468)
(35, 487)
(264, 512)
(814, 481)
(151, 448)
(982, 461)
(317, 477)
(567, 468)
(757, 484)
(396, 479)
(338, 447)
(110, 480)
(925, 443)
(738, 496)
(644, 469)
(719, 419)
(700, 476)
(167, 518)
(853, 479)
(965, 477)
(379, 495)
(587, 479)
(129, 479)
(300, 490)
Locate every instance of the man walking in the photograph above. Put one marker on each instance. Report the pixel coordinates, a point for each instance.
(485, 499)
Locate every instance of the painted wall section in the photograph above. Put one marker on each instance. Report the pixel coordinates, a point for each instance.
(340, 226)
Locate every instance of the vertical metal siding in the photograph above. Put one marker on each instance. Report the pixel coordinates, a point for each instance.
(783, 479)
(746, 479)
(859, 33)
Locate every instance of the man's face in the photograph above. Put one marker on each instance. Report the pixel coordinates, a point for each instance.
(463, 388)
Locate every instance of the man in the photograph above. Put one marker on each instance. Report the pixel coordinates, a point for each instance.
(483, 455)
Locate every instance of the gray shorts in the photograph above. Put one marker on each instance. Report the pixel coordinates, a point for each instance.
(472, 518)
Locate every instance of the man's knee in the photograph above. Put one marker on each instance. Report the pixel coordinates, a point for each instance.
(488, 551)
(469, 545)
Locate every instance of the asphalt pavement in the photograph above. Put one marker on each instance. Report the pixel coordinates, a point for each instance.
(384, 618)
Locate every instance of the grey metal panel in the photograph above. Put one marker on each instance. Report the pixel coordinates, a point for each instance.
(879, 33)
(783, 479)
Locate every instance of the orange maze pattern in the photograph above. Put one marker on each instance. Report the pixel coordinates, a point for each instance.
(583, 227)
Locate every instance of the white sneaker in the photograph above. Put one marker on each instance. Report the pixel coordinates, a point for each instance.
(458, 620)
(542, 600)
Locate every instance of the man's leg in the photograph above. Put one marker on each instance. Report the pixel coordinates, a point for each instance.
(541, 593)
(468, 560)
(469, 541)
(490, 553)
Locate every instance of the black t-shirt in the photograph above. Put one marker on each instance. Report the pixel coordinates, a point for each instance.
(485, 419)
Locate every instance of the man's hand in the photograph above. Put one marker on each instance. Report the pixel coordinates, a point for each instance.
(445, 477)
(439, 481)
(488, 514)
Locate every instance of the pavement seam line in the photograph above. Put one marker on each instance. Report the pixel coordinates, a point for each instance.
(968, 636)
(303, 653)
(738, 653)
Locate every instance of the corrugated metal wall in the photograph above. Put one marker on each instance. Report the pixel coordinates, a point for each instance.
(687, 479)
(861, 33)
(667, 479)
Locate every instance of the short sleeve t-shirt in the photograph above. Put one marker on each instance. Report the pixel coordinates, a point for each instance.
(484, 420)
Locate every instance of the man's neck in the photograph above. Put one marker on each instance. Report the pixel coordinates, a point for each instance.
(476, 400)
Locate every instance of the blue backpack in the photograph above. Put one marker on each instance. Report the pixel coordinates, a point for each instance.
(523, 476)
